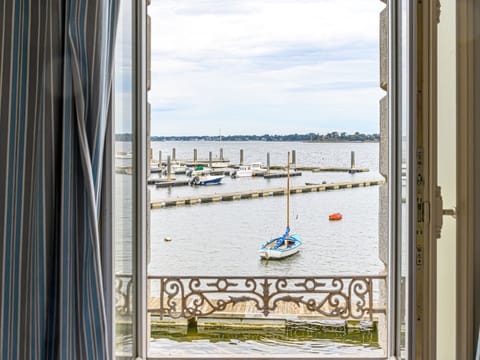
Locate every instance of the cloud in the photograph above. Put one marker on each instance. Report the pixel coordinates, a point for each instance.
(255, 62)
(337, 85)
(213, 7)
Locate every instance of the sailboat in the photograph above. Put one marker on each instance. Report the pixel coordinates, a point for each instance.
(287, 244)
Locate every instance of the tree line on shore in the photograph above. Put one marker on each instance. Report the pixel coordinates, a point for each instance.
(333, 136)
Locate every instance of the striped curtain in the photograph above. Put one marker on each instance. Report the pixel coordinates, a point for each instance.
(55, 100)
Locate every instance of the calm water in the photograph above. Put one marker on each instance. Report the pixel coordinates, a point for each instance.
(226, 235)
(222, 238)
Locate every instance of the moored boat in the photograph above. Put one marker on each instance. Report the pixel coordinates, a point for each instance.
(281, 247)
(199, 170)
(253, 169)
(286, 245)
(206, 180)
(335, 217)
(257, 169)
(244, 171)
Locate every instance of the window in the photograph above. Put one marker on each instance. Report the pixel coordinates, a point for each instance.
(137, 256)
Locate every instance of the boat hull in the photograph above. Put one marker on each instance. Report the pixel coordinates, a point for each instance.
(275, 255)
(244, 173)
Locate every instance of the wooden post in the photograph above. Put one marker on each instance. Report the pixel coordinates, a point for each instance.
(241, 156)
(160, 158)
(174, 154)
(294, 158)
(352, 160)
(169, 168)
(268, 163)
(195, 156)
(221, 154)
(210, 159)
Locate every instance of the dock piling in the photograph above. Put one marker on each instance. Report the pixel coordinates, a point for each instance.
(241, 156)
(221, 154)
(210, 159)
(294, 158)
(160, 158)
(268, 163)
(195, 154)
(174, 154)
(169, 168)
(352, 160)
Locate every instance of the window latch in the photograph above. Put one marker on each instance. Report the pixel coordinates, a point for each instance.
(450, 212)
(441, 212)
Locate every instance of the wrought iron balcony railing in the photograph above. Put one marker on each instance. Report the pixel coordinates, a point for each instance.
(336, 297)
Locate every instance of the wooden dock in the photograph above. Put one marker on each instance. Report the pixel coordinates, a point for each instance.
(339, 169)
(166, 183)
(323, 169)
(280, 175)
(252, 194)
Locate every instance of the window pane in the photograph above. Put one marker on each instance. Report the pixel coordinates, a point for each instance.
(124, 194)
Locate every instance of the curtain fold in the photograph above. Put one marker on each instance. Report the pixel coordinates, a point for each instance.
(56, 61)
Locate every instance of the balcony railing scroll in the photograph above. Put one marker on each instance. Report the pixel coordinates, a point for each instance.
(336, 297)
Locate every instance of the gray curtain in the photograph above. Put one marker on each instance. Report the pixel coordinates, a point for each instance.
(55, 93)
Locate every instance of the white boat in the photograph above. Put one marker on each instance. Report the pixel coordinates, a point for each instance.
(155, 166)
(178, 169)
(174, 169)
(289, 246)
(244, 171)
(220, 164)
(199, 171)
(254, 169)
(257, 169)
(286, 245)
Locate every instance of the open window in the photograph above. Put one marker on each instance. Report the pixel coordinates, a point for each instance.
(167, 290)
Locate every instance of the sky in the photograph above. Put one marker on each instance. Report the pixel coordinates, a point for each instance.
(264, 66)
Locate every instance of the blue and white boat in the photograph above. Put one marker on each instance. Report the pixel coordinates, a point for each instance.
(281, 247)
(286, 245)
(206, 180)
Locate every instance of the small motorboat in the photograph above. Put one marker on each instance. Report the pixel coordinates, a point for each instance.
(206, 180)
(244, 171)
(257, 169)
(335, 216)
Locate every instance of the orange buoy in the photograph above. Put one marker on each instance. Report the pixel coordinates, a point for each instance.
(336, 216)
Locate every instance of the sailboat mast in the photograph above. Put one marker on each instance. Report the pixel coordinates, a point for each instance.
(288, 191)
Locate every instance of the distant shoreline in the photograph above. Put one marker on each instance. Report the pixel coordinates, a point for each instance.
(333, 137)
